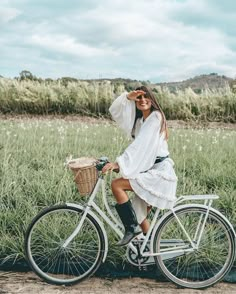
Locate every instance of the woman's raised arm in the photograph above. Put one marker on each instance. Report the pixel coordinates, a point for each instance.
(123, 110)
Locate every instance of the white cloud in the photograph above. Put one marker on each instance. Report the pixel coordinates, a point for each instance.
(8, 14)
(145, 39)
(68, 45)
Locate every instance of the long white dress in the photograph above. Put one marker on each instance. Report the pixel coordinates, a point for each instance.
(153, 184)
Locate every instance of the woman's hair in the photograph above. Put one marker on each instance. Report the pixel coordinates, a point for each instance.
(155, 106)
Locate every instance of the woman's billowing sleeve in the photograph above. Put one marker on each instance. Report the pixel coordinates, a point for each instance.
(123, 112)
(140, 155)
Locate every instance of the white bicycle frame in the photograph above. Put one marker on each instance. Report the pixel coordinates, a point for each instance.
(178, 247)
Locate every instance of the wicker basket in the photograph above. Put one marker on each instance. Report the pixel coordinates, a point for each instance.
(85, 172)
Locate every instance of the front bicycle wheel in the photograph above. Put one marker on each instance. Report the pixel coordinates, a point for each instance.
(46, 254)
(201, 267)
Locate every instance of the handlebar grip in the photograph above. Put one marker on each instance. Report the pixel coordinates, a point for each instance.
(101, 163)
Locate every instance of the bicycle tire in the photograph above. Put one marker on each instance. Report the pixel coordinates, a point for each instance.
(203, 267)
(45, 254)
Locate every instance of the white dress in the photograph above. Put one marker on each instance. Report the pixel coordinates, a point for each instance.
(153, 184)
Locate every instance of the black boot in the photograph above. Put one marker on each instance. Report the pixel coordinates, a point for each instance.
(129, 220)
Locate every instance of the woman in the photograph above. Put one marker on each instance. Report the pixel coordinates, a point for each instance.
(145, 165)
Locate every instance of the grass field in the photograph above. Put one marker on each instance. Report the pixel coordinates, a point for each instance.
(94, 98)
(32, 174)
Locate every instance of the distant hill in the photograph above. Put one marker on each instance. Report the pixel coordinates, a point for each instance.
(198, 83)
(212, 81)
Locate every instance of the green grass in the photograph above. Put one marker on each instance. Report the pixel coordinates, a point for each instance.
(32, 174)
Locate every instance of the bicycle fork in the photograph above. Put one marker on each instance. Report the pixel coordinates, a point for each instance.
(88, 207)
(77, 229)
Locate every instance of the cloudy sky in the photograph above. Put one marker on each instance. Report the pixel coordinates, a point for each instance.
(156, 40)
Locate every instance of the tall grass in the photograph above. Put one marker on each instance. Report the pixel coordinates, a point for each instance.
(32, 174)
(94, 98)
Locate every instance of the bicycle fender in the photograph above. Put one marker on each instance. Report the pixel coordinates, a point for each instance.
(177, 208)
(93, 215)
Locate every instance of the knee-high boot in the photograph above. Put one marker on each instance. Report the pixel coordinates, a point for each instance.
(129, 220)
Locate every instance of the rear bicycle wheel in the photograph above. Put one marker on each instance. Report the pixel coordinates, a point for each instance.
(49, 259)
(204, 266)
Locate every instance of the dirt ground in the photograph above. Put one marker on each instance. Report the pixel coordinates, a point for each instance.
(96, 120)
(29, 283)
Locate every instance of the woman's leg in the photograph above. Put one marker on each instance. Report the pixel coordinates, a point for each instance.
(145, 224)
(119, 186)
(125, 210)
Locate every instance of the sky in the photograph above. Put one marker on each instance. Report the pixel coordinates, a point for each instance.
(155, 40)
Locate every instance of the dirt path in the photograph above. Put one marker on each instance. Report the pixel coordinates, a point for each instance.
(96, 120)
(29, 283)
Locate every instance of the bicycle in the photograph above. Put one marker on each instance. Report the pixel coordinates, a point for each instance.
(193, 245)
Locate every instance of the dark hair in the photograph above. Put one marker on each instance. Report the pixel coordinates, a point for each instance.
(155, 106)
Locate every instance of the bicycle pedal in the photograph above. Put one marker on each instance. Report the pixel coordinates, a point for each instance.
(140, 236)
(137, 242)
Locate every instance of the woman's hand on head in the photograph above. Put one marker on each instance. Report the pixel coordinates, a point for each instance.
(134, 94)
(112, 166)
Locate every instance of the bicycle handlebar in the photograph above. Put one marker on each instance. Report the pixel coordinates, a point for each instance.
(101, 162)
